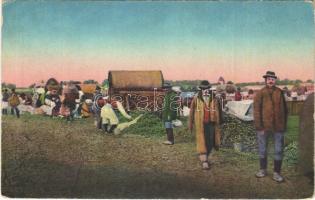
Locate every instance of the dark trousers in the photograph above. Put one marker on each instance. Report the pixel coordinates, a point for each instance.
(4, 111)
(17, 111)
(209, 136)
(262, 138)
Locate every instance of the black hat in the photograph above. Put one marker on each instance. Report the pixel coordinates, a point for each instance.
(270, 74)
(204, 85)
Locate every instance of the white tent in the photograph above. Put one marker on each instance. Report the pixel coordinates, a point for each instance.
(241, 109)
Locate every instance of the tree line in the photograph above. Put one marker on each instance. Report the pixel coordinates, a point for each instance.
(186, 85)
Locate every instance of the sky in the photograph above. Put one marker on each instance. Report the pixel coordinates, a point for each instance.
(81, 40)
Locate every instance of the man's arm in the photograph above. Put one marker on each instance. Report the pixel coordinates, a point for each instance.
(191, 114)
(258, 111)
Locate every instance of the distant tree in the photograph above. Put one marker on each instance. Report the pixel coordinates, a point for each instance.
(32, 85)
(74, 82)
(90, 81)
(309, 81)
(11, 86)
(298, 81)
(3, 85)
(286, 81)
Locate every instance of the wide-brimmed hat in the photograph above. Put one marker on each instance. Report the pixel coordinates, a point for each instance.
(204, 85)
(270, 74)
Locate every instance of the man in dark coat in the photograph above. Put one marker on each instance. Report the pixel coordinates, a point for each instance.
(97, 106)
(270, 117)
(170, 106)
(5, 101)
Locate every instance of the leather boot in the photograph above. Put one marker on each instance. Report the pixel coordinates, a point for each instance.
(112, 128)
(263, 168)
(170, 135)
(99, 123)
(276, 174)
(263, 163)
(105, 126)
(277, 166)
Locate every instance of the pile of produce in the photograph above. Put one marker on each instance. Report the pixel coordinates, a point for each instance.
(235, 131)
(291, 153)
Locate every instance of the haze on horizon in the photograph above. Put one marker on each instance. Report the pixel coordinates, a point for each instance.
(81, 40)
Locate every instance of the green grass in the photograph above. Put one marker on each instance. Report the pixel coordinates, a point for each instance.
(292, 128)
(150, 125)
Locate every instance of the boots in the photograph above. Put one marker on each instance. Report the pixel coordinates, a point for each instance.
(99, 123)
(112, 128)
(170, 137)
(105, 128)
(263, 168)
(277, 168)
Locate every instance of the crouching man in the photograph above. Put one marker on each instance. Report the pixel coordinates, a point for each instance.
(270, 117)
(108, 117)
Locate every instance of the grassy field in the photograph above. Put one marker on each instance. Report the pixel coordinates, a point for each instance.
(44, 157)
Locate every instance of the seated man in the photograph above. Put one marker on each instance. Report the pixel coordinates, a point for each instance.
(52, 103)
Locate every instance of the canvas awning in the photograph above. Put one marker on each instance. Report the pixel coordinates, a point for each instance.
(241, 109)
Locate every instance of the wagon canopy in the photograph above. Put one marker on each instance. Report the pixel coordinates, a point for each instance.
(135, 80)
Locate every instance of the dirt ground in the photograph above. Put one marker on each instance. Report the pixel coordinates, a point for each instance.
(43, 157)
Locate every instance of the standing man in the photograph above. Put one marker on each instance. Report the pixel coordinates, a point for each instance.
(14, 101)
(205, 118)
(169, 113)
(97, 106)
(5, 103)
(270, 117)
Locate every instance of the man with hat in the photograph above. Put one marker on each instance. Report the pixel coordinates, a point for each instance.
(98, 103)
(205, 118)
(14, 101)
(169, 112)
(270, 117)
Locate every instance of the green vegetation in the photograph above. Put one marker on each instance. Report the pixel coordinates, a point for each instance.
(149, 125)
(233, 131)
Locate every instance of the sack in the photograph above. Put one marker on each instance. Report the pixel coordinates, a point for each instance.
(177, 123)
(5, 105)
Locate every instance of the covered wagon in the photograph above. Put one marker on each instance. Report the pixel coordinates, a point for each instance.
(141, 90)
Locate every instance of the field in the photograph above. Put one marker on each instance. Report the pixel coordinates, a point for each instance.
(44, 157)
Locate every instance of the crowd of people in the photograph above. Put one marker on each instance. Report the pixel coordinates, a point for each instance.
(205, 117)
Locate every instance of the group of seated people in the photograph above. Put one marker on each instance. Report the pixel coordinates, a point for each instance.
(67, 101)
